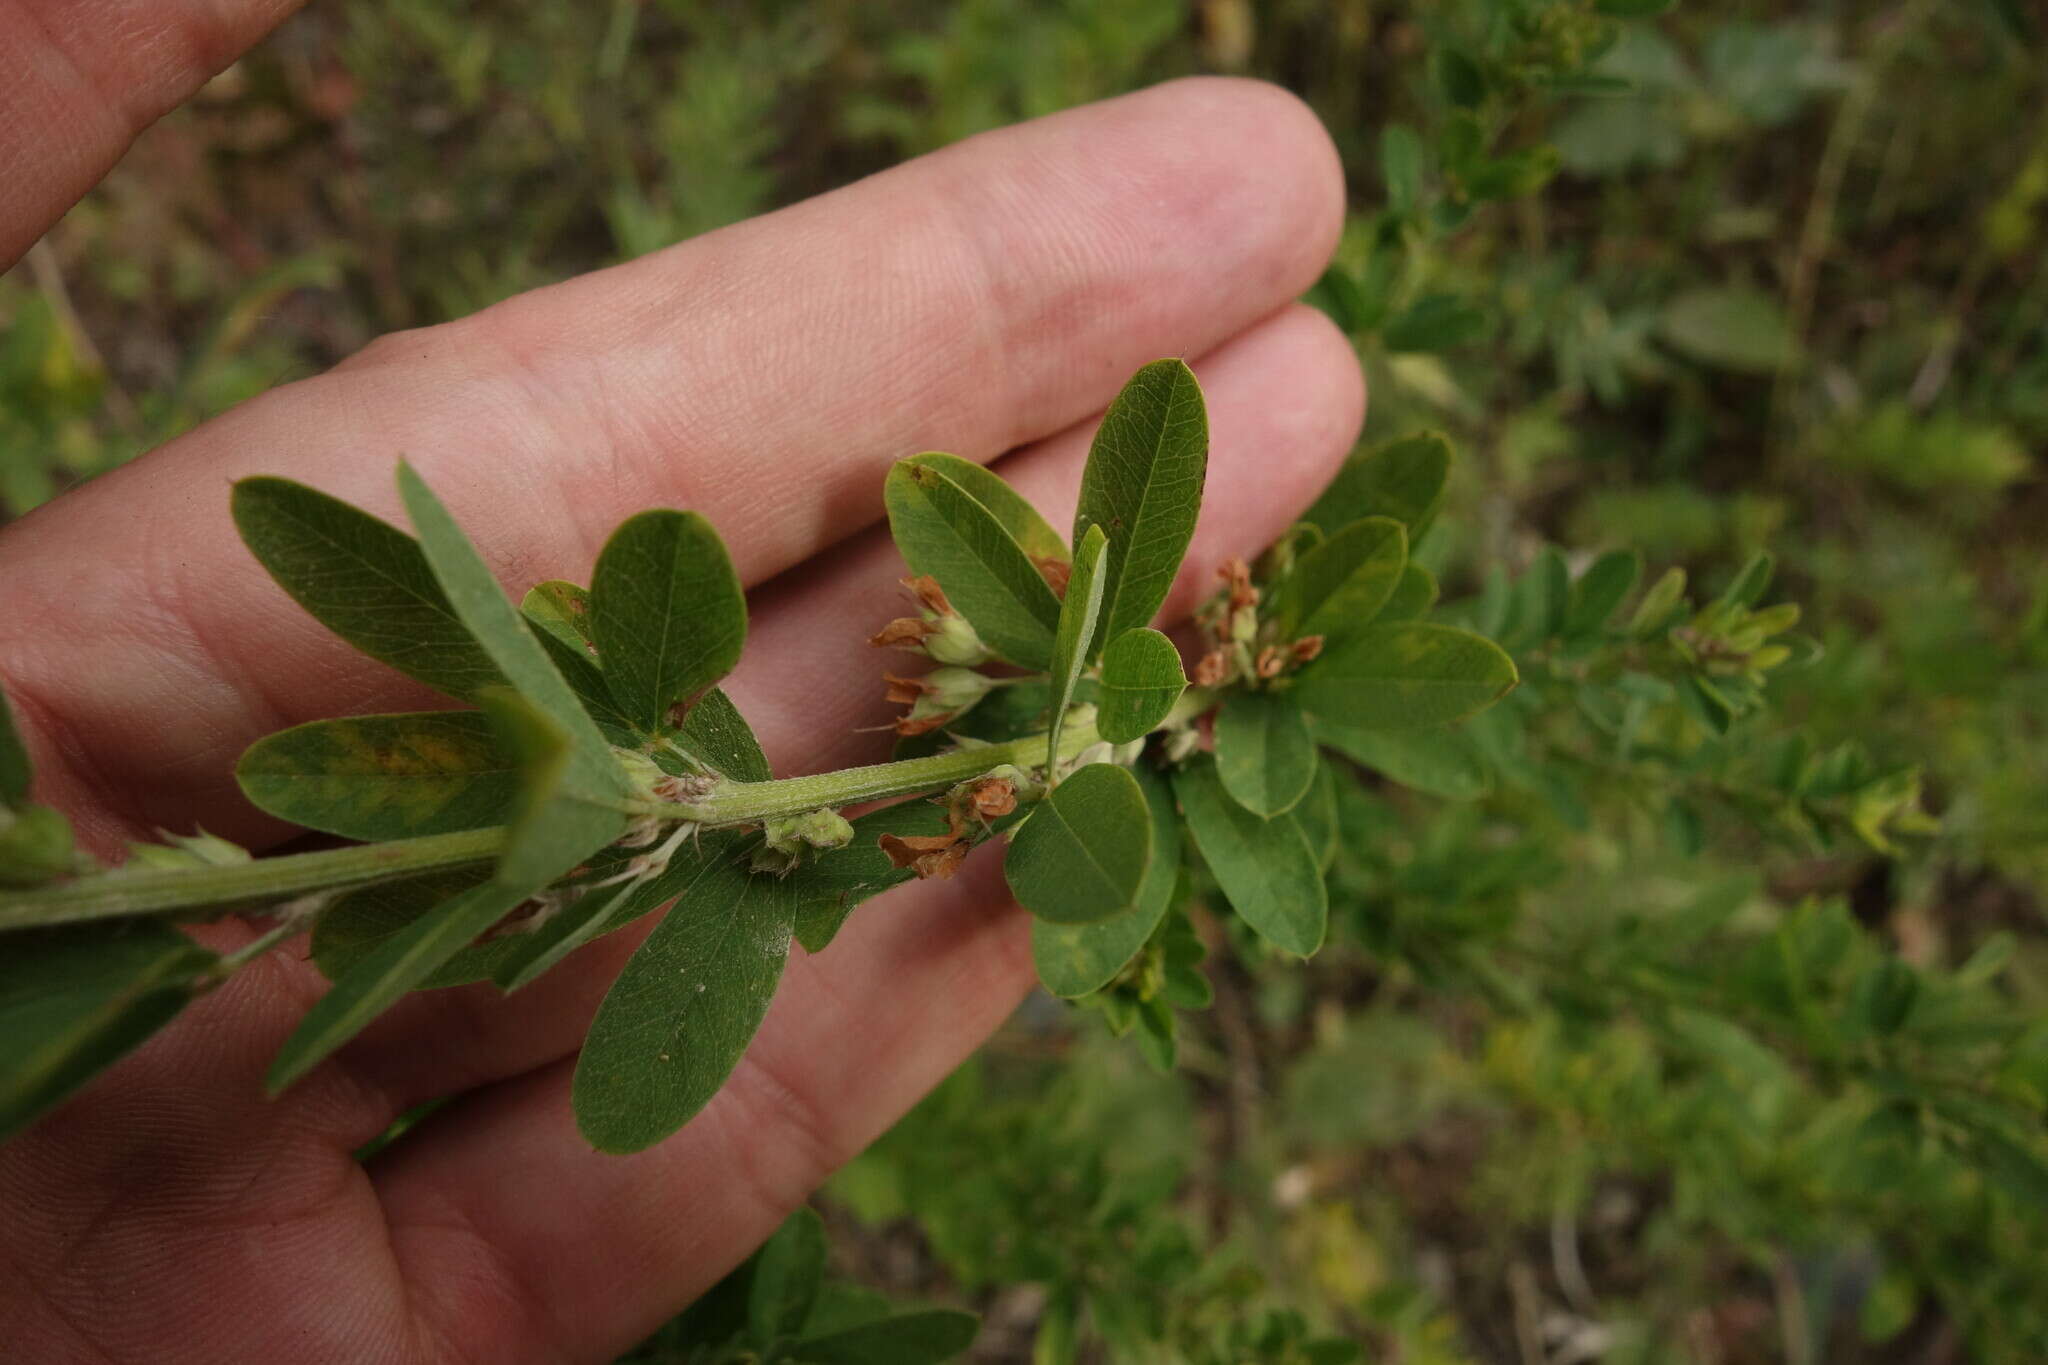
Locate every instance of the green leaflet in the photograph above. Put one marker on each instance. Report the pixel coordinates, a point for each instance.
(944, 531)
(1032, 532)
(557, 822)
(1443, 763)
(1402, 479)
(718, 737)
(579, 670)
(921, 1338)
(829, 884)
(1264, 756)
(1338, 587)
(714, 735)
(1141, 680)
(1082, 855)
(15, 770)
(1075, 959)
(553, 829)
(1317, 815)
(563, 611)
(403, 962)
(667, 613)
(1143, 486)
(787, 1272)
(36, 846)
(384, 777)
(481, 606)
(1406, 674)
(1268, 870)
(1080, 615)
(1600, 591)
(357, 924)
(677, 1020)
(1412, 598)
(364, 579)
(76, 998)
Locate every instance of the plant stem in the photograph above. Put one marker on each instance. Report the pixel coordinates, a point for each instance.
(740, 803)
(171, 891)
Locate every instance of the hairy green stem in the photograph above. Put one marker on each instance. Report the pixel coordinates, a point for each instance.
(166, 891)
(171, 891)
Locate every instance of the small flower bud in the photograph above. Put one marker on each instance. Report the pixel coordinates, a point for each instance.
(822, 828)
(1307, 648)
(1272, 659)
(1244, 625)
(936, 697)
(953, 641)
(1212, 668)
(940, 632)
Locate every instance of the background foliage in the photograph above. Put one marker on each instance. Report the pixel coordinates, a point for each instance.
(1636, 1041)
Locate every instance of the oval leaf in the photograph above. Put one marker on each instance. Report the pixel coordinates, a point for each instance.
(1407, 674)
(1141, 680)
(1340, 586)
(1143, 486)
(76, 998)
(1079, 617)
(677, 1020)
(1442, 763)
(1600, 591)
(1075, 959)
(1264, 754)
(944, 531)
(1082, 855)
(1273, 878)
(921, 1338)
(563, 611)
(364, 579)
(667, 613)
(385, 777)
(1032, 532)
(481, 605)
(1403, 479)
(402, 962)
(1412, 598)
(357, 924)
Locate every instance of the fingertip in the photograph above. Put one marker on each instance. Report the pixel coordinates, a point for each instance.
(1251, 167)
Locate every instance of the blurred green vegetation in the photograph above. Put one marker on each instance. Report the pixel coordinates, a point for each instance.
(1705, 1048)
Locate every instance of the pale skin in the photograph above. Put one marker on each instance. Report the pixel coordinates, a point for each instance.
(988, 299)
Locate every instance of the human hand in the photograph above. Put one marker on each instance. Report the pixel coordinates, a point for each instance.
(986, 299)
